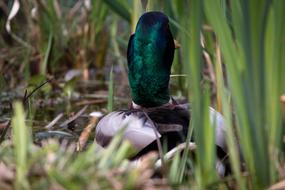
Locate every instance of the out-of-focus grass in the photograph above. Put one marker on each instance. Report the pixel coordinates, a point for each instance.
(204, 133)
(111, 91)
(251, 56)
(54, 165)
(59, 31)
(21, 138)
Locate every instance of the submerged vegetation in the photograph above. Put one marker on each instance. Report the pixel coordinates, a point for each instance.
(61, 60)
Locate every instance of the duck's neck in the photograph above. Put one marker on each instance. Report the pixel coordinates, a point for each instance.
(149, 72)
(150, 56)
(136, 106)
(149, 84)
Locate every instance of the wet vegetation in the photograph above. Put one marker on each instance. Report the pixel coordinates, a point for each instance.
(63, 65)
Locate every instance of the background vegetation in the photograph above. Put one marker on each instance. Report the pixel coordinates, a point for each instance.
(79, 48)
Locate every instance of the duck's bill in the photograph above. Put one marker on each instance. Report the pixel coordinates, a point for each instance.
(176, 44)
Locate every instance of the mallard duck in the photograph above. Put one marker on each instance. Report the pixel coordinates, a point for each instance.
(153, 114)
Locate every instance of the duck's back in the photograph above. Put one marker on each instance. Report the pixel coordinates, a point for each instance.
(168, 123)
(142, 127)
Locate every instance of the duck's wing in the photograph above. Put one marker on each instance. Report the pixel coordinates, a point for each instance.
(141, 128)
(171, 124)
(138, 130)
(171, 119)
(218, 121)
(179, 115)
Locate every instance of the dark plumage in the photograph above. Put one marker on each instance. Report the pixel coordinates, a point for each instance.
(171, 122)
(150, 56)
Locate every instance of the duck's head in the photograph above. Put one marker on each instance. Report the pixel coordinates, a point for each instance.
(150, 56)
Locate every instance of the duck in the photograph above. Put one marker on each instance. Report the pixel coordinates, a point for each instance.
(154, 116)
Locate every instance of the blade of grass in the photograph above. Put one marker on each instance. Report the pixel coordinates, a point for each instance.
(21, 143)
(136, 13)
(116, 48)
(47, 55)
(117, 7)
(174, 169)
(204, 134)
(110, 91)
(248, 80)
(226, 105)
(275, 61)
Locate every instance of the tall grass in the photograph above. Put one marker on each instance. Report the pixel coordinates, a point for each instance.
(21, 141)
(59, 165)
(110, 104)
(251, 44)
(203, 133)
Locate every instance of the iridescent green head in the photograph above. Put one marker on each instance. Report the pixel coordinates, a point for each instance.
(150, 56)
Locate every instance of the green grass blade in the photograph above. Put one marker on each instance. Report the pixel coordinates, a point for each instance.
(275, 68)
(110, 91)
(252, 82)
(224, 94)
(136, 13)
(47, 55)
(204, 134)
(21, 140)
(119, 9)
